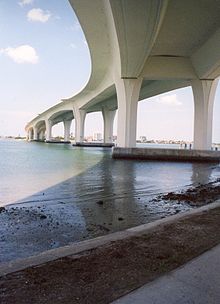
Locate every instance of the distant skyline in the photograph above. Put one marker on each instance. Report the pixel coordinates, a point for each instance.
(44, 57)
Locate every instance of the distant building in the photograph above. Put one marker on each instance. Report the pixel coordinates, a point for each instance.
(88, 138)
(143, 138)
(97, 136)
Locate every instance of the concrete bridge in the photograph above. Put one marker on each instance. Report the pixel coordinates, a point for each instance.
(140, 49)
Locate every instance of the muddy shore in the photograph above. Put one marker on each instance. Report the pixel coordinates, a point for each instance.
(52, 224)
(102, 275)
(200, 195)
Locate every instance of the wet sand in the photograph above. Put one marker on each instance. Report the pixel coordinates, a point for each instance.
(29, 229)
(104, 274)
(194, 196)
(43, 223)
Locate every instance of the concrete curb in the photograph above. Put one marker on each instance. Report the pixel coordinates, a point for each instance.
(77, 248)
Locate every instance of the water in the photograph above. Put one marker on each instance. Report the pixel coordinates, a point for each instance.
(64, 194)
(27, 168)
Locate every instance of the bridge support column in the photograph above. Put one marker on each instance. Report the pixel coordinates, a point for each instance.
(42, 134)
(30, 134)
(67, 125)
(48, 129)
(79, 116)
(108, 118)
(127, 94)
(204, 94)
(35, 133)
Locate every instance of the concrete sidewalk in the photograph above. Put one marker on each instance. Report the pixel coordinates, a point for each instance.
(196, 282)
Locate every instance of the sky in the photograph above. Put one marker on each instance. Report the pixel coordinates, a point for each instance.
(44, 57)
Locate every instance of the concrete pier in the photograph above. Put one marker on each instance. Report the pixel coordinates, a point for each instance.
(57, 142)
(166, 154)
(94, 144)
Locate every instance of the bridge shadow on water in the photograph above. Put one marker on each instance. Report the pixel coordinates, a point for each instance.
(110, 196)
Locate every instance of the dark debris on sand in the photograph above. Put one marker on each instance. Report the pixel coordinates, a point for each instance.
(195, 196)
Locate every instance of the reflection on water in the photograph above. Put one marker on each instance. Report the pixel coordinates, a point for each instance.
(26, 168)
(203, 174)
(89, 194)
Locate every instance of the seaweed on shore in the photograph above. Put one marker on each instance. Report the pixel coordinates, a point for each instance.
(195, 196)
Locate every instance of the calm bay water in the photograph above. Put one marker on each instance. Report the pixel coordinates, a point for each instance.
(27, 168)
(62, 194)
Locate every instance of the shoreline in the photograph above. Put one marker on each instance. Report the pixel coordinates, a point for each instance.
(101, 274)
(90, 244)
(54, 224)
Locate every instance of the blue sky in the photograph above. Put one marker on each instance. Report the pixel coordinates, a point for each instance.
(44, 57)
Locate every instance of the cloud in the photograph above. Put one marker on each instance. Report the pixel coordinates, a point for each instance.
(75, 27)
(21, 54)
(73, 46)
(169, 100)
(38, 15)
(25, 2)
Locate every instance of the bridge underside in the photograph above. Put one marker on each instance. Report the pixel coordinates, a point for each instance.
(140, 49)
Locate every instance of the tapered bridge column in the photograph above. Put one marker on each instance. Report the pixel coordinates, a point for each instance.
(127, 94)
(35, 133)
(41, 134)
(49, 125)
(30, 134)
(204, 94)
(79, 116)
(108, 118)
(67, 125)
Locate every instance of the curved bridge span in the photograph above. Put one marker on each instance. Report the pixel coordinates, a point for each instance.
(140, 49)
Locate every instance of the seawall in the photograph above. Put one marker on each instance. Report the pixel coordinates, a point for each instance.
(166, 154)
